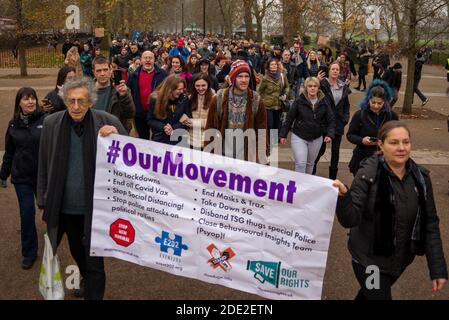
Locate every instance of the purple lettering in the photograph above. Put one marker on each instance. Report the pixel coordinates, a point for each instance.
(144, 160)
(205, 175)
(173, 166)
(220, 178)
(276, 188)
(260, 188)
(156, 162)
(291, 190)
(242, 182)
(129, 154)
(192, 171)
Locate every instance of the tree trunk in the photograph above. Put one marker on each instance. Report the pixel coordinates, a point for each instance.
(226, 18)
(20, 36)
(259, 30)
(411, 53)
(22, 59)
(290, 11)
(399, 24)
(247, 4)
(344, 23)
(101, 22)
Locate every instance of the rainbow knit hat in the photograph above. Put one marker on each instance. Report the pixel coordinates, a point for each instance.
(237, 67)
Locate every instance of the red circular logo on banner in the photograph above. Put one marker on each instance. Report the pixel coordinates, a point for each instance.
(122, 232)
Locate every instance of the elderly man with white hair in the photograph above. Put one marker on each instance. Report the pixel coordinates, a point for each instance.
(66, 173)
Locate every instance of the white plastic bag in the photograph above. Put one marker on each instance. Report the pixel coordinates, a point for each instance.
(50, 278)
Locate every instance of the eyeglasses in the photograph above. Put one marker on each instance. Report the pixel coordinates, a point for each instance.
(80, 102)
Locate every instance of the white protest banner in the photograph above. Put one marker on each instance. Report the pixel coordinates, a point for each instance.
(242, 225)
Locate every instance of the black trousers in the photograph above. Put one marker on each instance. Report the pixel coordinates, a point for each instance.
(91, 268)
(142, 128)
(385, 283)
(335, 156)
(362, 80)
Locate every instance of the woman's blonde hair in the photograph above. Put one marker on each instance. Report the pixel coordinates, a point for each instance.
(74, 64)
(311, 79)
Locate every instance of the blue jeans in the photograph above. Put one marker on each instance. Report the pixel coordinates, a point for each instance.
(25, 195)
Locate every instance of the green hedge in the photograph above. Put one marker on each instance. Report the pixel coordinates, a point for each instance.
(440, 57)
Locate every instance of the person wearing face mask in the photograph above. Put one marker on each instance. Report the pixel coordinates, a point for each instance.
(391, 212)
(167, 106)
(53, 102)
(20, 161)
(200, 100)
(375, 111)
(142, 83)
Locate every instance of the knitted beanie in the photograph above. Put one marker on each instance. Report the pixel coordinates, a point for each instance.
(237, 67)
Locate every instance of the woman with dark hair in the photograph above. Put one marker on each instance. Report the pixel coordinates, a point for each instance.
(337, 93)
(345, 68)
(177, 66)
(167, 106)
(53, 102)
(391, 211)
(20, 161)
(374, 112)
(192, 64)
(328, 57)
(200, 100)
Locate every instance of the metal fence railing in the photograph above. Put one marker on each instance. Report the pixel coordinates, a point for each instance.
(41, 57)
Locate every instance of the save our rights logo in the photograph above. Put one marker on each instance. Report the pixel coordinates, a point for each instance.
(274, 274)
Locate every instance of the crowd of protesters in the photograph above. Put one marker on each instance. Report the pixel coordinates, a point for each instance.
(156, 86)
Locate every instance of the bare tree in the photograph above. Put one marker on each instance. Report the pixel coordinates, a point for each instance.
(349, 16)
(424, 21)
(247, 5)
(291, 19)
(260, 9)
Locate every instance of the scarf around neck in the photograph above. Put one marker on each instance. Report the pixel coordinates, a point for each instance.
(384, 210)
(56, 181)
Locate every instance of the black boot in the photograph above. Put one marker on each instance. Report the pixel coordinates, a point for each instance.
(333, 173)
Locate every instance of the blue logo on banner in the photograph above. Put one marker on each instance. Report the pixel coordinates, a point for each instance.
(166, 243)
